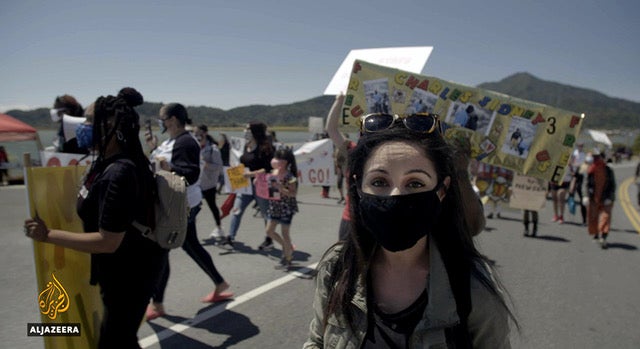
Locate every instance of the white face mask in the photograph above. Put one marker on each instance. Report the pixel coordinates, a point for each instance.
(55, 114)
(588, 159)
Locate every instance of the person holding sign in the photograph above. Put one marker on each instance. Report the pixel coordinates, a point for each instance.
(257, 158)
(116, 191)
(410, 274)
(282, 204)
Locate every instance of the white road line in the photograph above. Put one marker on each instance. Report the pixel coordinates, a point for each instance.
(217, 310)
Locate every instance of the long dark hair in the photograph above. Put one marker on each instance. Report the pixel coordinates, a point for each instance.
(286, 153)
(259, 132)
(116, 117)
(451, 234)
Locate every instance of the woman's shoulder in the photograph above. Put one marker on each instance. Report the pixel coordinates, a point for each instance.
(330, 257)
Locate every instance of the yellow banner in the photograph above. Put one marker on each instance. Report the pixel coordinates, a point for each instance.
(64, 294)
(527, 137)
(237, 178)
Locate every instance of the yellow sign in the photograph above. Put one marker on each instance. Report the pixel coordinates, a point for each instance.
(504, 131)
(237, 178)
(52, 193)
(54, 299)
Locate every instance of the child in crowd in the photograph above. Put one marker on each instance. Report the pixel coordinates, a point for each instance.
(283, 206)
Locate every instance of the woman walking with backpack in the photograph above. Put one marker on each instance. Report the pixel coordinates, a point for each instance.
(181, 154)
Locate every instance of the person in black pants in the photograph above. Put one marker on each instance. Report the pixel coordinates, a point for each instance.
(116, 191)
(181, 154)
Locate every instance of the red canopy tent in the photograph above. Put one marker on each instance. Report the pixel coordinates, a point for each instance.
(12, 129)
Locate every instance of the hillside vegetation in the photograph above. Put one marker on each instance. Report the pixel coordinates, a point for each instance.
(602, 112)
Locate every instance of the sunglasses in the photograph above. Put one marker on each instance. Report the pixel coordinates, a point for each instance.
(419, 122)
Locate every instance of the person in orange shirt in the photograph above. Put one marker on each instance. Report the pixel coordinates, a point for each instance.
(601, 193)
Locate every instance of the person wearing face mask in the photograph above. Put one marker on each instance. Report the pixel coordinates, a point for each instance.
(181, 154)
(65, 109)
(116, 191)
(258, 152)
(84, 131)
(282, 201)
(410, 275)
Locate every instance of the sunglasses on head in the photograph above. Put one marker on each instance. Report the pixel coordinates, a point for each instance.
(419, 122)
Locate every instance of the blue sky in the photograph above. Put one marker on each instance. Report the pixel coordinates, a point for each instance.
(234, 53)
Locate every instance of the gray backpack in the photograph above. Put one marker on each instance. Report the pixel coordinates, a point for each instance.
(171, 211)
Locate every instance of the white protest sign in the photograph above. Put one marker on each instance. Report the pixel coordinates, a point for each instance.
(410, 59)
(236, 147)
(315, 163)
(528, 193)
(70, 124)
(53, 159)
(600, 137)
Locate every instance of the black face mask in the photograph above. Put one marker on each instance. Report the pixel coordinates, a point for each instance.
(398, 222)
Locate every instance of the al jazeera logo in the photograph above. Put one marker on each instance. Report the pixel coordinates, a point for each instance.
(52, 301)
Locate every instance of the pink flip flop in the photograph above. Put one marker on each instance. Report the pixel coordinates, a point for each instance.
(213, 298)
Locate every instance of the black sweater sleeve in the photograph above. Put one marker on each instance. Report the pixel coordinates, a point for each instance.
(185, 157)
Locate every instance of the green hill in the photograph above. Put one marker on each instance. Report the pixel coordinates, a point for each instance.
(602, 112)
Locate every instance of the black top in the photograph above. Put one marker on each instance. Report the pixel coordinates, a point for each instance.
(394, 330)
(224, 152)
(112, 203)
(256, 159)
(185, 157)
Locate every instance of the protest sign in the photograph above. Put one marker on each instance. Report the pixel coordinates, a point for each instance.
(411, 59)
(530, 138)
(236, 177)
(315, 163)
(267, 186)
(528, 193)
(64, 295)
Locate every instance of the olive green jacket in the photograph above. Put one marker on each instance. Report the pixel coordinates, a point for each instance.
(487, 323)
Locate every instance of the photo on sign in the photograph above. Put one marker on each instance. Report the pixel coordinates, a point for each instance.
(519, 137)
(398, 96)
(421, 102)
(470, 116)
(377, 95)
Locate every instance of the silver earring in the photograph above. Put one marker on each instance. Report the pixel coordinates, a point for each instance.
(119, 135)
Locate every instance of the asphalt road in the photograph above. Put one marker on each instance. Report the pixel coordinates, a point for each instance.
(567, 291)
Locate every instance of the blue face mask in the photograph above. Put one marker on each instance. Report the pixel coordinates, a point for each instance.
(84, 135)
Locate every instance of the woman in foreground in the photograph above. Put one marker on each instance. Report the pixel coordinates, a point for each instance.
(409, 276)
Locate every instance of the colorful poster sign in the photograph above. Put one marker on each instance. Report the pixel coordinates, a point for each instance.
(236, 177)
(493, 183)
(267, 186)
(315, 163)
(530, 138)
(64, 294)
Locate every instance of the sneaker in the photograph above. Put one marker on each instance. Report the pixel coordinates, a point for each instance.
(228, 241)
(216, 233)
(603, 243)
(526, 231)
(266, 245)
(560, 220)
(555, 218)
(498, 216)
(285, 263)
(490, 216)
